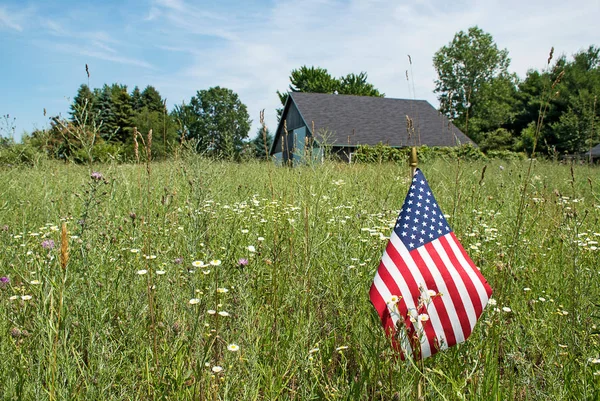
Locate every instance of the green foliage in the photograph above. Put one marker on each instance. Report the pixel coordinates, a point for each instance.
(216, 120)
(568, 93)
(17, 154)
(318, 80)
(381, 153)
(500, 139)
(131, 317)
(470, 69)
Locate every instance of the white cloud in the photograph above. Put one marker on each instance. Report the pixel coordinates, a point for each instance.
(10, 20)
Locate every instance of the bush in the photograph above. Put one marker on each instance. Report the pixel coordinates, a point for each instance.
(12, 154)
(383, 153)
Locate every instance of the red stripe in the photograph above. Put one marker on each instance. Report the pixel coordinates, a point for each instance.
(412, 285)
(487, 287)
(414, 290)
(453, 293)
(472, 291)
(377, 301)
(439, 306)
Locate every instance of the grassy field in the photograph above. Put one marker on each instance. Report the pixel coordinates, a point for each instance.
(217, 281)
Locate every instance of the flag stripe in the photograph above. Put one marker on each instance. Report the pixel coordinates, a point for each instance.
(485, 287)
(452, 327)
(457, 287)
(473, 273)
(473, 304)
(405, 259)
(379, 292)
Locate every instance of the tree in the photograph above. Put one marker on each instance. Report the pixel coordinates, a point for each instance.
(104, 113)
(567, 94)
(465, 66)
(353, 84)
(136, 99)
(123, 112)
(217, 120)
(318, 80)
(151, 99)
(258, 143)
(82, 106)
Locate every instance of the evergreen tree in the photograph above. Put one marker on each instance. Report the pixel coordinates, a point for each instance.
(123, 112)
(104, 114)
(152, 100)
(136, 99)
(81, 110)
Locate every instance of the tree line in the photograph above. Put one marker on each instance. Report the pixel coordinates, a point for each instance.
(553, 110)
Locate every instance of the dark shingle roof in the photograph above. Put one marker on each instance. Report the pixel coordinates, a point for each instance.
(364, 120)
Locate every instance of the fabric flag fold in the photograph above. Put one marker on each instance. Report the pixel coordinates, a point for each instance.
(427, 291)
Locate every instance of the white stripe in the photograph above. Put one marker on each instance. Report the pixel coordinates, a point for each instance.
(418, 277)
(460, 284)
(446, 299)
(407, 298)
(385, 294)
(472, 275)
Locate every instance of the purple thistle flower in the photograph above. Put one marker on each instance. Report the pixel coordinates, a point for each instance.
(96, 176)
(4, 281)
(242, 262)
(48, 244)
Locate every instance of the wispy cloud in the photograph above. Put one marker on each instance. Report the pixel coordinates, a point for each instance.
(99, 51)
(10, 20)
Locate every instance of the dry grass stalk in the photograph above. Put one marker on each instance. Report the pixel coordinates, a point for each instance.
(136, 146)
(264, 133)
(64, 247)
(148, 151)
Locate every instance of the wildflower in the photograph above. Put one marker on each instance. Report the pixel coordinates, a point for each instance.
(222, 290)
(142, 272)
(26, 297)
(423, 317)
(217, 369)
(312, 351)
(251, 248)
(178, 261)
(48, 244)
(160, 272)
(526, 289)
(96, 176)
(341, 348)
(13, 297)
(260, 239)
(393, 300)
(211, 311)
(244, 231)
(148, 257)
(35, 282)
(194, 301)
(492, 302)
(242, 262)
(205, 272)
(215, 262)
(4, 281)
(198, 263)
(233, 347)
(506, 309)
(223, 313)
(542, 299)
(134, 250)
(594, 360)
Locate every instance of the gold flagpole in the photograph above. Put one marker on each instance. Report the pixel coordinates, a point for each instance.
(413, 160)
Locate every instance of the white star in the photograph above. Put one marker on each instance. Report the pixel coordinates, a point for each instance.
(422, 232)
(413, 236)
(403, 233)
(421, 240)
(430, 235)
(411, 245)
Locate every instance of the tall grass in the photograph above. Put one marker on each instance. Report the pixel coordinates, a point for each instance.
(130, 316)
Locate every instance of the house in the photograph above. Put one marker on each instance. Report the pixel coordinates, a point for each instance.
(344, 122)
(594, 153)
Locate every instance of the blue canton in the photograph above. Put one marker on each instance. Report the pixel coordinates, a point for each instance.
(420, 220)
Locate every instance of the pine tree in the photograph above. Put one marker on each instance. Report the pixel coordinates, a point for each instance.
(81, 110)
(152, 100)
(136, 99)
(123, 112)
(104, 112)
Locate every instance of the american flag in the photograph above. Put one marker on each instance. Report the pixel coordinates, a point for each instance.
(427, 291)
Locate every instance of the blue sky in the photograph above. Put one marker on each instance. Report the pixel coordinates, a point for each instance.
(181, 46)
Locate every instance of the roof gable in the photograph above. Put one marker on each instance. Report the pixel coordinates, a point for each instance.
(363, 120)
